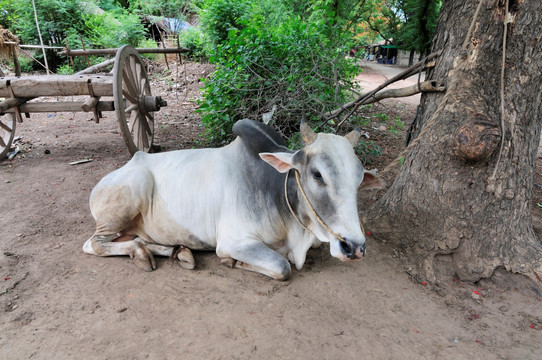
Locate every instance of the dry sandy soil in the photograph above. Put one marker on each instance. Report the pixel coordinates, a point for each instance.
(58, 303)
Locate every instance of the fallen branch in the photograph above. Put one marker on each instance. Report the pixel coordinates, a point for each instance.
(96, 68)
(359, 101)
(426, 86)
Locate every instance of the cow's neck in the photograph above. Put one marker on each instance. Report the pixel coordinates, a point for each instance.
(291, 197)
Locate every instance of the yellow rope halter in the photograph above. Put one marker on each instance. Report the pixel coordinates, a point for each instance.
(318, 218)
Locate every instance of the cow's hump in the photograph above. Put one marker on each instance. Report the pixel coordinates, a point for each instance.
(258, 137)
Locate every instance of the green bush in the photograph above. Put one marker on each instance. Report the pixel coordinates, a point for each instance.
(195, 41)
(291, 67)
(148, 44)
(221, 16)
(65, 70)
(111, 30)
(26, 64)
(368, 150)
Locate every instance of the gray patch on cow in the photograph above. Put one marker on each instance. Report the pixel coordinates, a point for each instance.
(301, 157)
(258, 137)
(329, 164)
(322, 202)
(264, 187)
(263, 191)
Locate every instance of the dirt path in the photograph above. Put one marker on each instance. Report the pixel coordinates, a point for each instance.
(375, 74)
(58, 303)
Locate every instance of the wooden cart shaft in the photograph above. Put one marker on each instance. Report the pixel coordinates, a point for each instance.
(46, 107)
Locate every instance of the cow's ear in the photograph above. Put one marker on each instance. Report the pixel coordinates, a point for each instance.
(281, 161)
(371, 181)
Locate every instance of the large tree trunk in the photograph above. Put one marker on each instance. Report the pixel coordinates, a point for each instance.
(453, 195)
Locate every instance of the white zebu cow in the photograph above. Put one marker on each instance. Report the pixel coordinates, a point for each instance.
(233, 199)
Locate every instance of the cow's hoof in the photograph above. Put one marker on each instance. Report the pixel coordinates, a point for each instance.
(143, 257)
(228, 262)
(185, 258)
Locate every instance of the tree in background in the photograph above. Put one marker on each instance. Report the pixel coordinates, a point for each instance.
(418, 28)
(409, 24)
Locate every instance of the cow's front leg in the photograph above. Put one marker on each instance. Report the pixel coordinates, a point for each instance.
(103, 245)
(255, 256)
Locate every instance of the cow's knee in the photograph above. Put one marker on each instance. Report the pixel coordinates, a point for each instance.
(280, 270)
(284, 271)
(93, 246)
(257, 257)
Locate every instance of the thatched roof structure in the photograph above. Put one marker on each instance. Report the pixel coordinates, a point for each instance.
(7, 36)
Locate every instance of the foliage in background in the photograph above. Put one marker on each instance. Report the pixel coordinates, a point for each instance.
(218, 17)
(74, 22)
(410, 24)
(8, 14)
(419, 25)
(195, 40)
(280, 56)
(179, 9)
(293, 67)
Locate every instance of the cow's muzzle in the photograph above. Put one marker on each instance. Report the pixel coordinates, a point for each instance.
(351, 250)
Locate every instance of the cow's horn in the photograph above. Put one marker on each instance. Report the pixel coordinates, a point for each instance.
(307, 133)
(353, 136)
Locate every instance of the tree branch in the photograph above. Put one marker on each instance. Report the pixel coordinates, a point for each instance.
(360, 100)
(426, 86)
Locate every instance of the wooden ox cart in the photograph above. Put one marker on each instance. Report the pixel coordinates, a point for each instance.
(128, 85)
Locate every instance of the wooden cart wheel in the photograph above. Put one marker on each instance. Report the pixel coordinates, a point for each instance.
(7, 132)
(132, 95)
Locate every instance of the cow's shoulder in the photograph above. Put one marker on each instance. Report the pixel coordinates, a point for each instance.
(258, 137)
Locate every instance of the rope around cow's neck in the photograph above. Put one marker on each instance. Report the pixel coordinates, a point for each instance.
(318, 218)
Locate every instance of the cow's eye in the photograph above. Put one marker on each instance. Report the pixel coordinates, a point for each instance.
(317, 176)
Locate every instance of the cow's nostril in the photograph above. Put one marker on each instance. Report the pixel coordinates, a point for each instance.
(348, 248)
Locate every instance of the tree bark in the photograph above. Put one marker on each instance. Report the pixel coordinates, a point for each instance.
(411, 57)
(458, 192)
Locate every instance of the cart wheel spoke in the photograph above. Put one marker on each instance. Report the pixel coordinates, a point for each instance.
(132, 121)
(4, 127)
(135, 74)
(144, 124)
(129, 97)
(130, 108)
(143, 131)
(130, 86)
(143, 85)
(135, 129)
(7, 132)
(140, 78)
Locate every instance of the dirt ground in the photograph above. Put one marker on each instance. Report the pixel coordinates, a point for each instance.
(58, 303)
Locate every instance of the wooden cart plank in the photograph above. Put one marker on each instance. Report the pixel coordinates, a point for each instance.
(56, 85)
